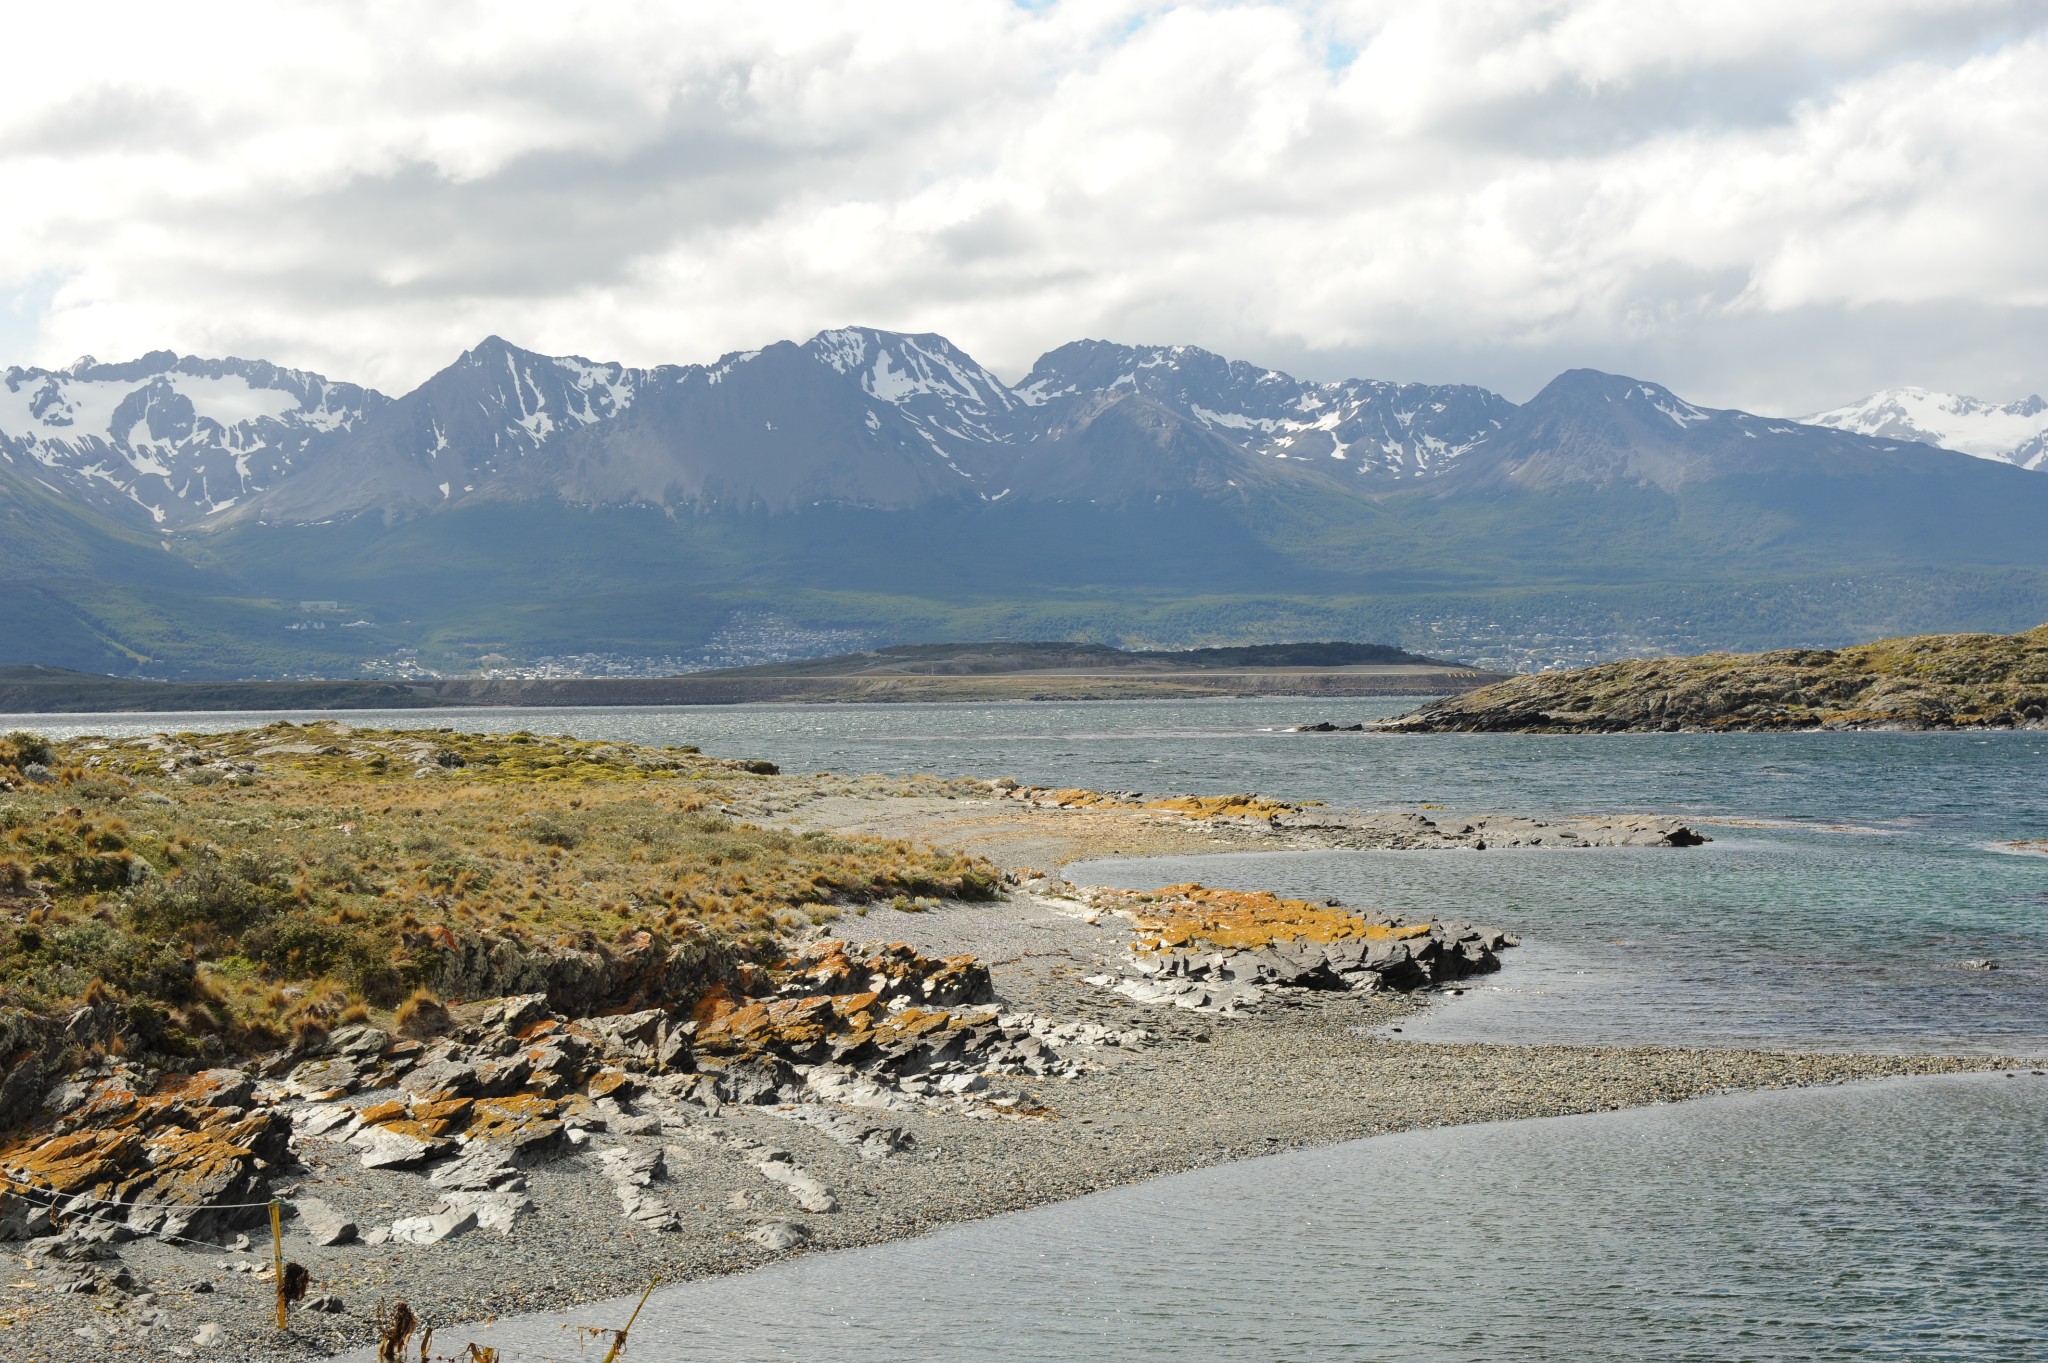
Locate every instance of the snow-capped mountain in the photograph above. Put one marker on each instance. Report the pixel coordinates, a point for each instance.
(938, 389)
(170, 439)
(540, 505)
(2010, 433)
(854, 416)
(851, 417)
(474, 424)
(859, 417)
(1361, 427)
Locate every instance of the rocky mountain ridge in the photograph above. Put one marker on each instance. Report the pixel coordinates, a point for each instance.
(1377, 430)
(1591, 428)
(180, 518)
(854, 417)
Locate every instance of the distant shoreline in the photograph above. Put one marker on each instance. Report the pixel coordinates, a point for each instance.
(886, 677)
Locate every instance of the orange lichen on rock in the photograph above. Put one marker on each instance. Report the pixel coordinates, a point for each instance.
(895, 970)
(191, 1145)
(1193, 916)
(91, 1162)
(713, 1004)
(770, 1024)
(882, 1005)
(519, 1118)
(424, 1121)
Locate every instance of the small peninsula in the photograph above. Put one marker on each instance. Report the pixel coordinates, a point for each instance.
(1934, 681)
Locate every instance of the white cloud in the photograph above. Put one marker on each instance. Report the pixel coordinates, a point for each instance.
(1758, 203)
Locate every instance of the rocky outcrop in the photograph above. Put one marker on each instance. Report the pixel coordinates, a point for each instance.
(1395, 831)
(1416, 831)
(37, 1050)
(900, 1018)
(1942, 681)
(188, 1156)
(132, 1151)
(1228, 950)
(579, 981)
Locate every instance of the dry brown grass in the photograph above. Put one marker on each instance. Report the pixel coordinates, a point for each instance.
(263, 882)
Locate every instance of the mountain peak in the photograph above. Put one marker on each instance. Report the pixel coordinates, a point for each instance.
(943, 385)
(1637, 395)
(1590, 427)
(492, 348)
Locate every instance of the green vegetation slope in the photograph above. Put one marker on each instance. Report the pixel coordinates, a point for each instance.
(1936, 681)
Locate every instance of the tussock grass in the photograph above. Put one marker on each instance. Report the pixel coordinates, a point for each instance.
(249, 885)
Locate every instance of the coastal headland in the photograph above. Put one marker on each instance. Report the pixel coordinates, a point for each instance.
(513, 1022)
(911, 673)
(1933, 681)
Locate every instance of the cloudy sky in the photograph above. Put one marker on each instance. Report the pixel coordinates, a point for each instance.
(1775, 204)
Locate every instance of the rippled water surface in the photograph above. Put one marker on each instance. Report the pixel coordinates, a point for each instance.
(1851, 879)
(1768, 1227)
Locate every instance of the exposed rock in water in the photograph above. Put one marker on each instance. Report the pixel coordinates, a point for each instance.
(1226, 951)
(1936, 681)
(1406, 831)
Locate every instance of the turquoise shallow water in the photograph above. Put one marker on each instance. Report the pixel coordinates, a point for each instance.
(1779, 937)
(1899, 1221)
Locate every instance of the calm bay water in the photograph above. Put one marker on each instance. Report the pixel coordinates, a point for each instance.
(1768, 1226)
(1897, 1221)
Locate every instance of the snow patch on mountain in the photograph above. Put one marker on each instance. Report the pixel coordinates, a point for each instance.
(941, 392)
(167, 437)
(2007, 433)
(1378, 431)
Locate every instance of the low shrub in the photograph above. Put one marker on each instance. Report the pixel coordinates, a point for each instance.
(214, 898)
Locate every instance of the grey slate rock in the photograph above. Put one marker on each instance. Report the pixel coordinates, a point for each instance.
(324, 1225)
(780, 1235)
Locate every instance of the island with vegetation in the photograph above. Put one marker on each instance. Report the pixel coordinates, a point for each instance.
(512, 1022)
(1934, 681)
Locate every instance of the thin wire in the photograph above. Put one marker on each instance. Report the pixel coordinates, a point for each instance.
(70, 1213)
(160, 1235)
(145, 1206)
